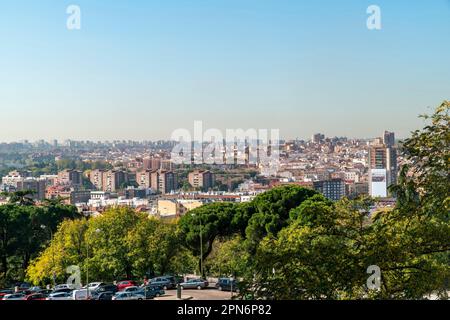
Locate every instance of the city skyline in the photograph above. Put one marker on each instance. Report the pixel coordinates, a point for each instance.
(139, 71)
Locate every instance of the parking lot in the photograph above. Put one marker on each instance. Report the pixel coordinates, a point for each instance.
(209, 293)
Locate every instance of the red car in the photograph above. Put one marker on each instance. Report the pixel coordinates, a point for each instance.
(5, 292)
(125, 284)
(36, 296)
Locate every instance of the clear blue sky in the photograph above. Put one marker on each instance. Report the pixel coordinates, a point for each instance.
(140, 69)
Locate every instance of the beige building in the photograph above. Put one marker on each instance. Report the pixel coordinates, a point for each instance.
(144, 178)
(96, 178)
(163, 181)
(201, 179)
(169, 208)
(113, 180)
(70, 177)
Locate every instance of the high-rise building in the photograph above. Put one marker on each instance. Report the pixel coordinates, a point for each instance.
(382, 166)
(389, 139)
(113, 180)
(163, 181)
(96, 178)
(317, 138)
(152, 163)
(70, 177)
(144, 178)
(201, 179)
(33, 184)
(333, 189)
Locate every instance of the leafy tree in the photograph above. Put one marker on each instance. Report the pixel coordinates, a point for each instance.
(212, 220)
(121, 243)
(23, 236)
(228, 257)
(269, 212)
(22, 197)
(317, 256)
(325, 249)
(424, 180)
(67, 248)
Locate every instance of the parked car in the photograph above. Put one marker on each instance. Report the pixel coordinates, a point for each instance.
(162, 282)
(62, 290)
(14, 296)
(106, 288)
(94, 285)
(60, 296)
(45, 291)
(194, 284)
(125, 284)
(35, 289)
(107, 295)
(5, 292)
(25, 292)
(174, 280)
(36, 296)
(127, 296)
(81, 294)
(132, 289)
(153, 291)
(61, 286)
(226, 284)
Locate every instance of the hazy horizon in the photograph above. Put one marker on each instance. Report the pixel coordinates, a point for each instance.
(140, 70)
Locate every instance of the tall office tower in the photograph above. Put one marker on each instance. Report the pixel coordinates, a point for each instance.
(389, 139)
(382, 168)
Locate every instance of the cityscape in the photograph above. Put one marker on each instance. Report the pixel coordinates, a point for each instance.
(224, 158)
(96, 175)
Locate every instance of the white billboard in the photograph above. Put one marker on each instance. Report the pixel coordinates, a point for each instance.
(378, 183)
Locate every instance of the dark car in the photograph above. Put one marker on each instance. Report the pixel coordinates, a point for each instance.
(36, 296)
(162, 282)
(153, 291)
(194, 284)
(226, 284)
(45, 291)
(107, 288)
(106, 295)
(173, 280)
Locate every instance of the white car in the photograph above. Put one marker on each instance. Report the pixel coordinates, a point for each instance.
(60, 296)
(93, 285)
(81, 294)
(61, 286)
(127, 296)
(14, 296)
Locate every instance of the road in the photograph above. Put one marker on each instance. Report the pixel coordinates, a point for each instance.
(204, 294)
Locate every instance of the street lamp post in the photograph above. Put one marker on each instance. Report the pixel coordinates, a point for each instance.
(231, 284)
(87, 266)
(44, 227)
(201, 246)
